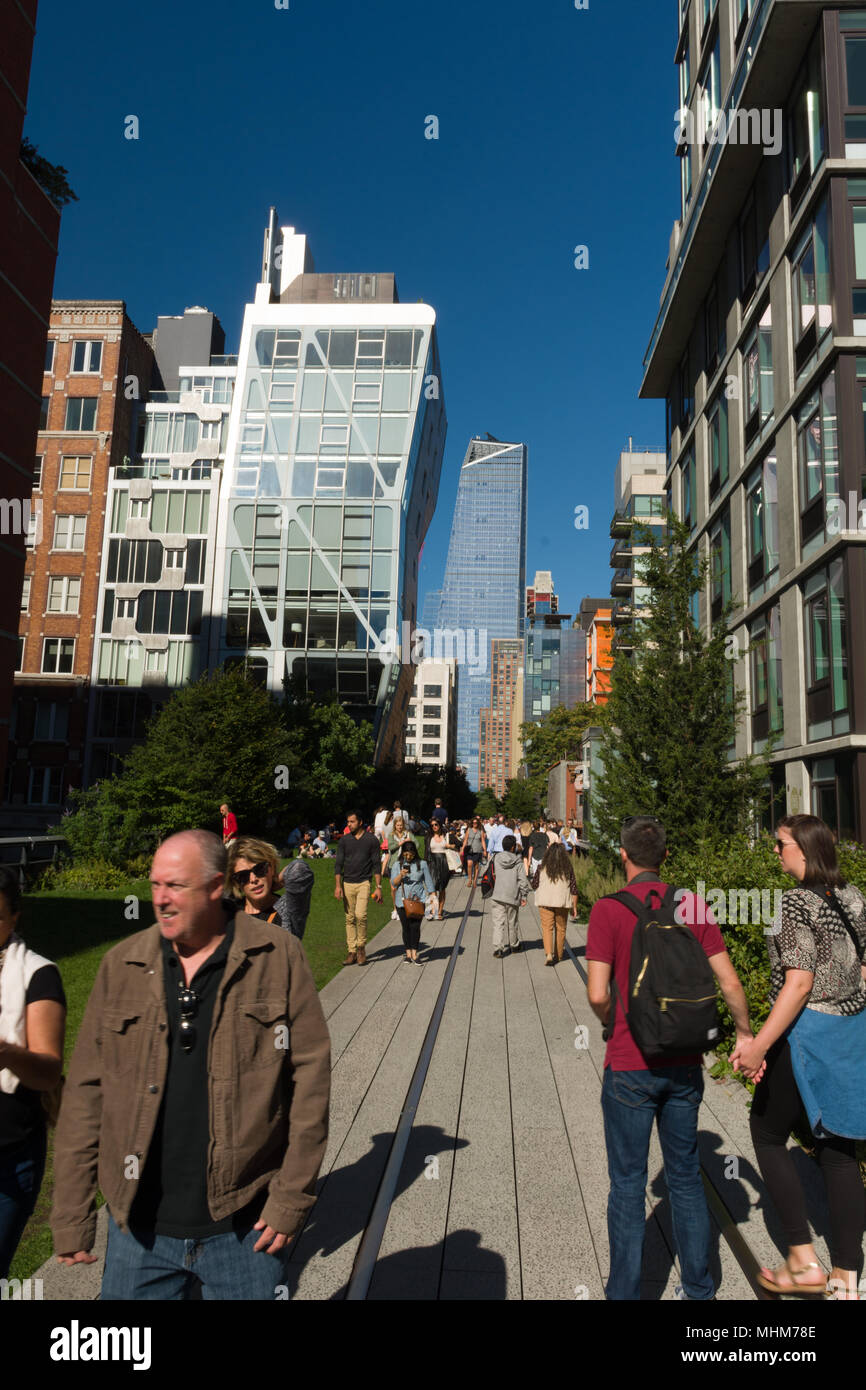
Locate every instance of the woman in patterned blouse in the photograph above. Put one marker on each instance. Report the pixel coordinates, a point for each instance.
(813, 965)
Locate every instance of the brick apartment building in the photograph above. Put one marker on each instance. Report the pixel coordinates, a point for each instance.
(97, 375)
(29, 229)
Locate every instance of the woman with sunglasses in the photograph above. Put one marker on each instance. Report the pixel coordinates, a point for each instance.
(32, 1023)
(474, 849)
(252, 877)
(814, 1043)
(411, 881)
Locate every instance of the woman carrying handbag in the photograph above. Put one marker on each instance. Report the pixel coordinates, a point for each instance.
(411, 882)
(814, 1043)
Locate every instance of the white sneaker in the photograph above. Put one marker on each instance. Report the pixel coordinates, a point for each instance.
(394, 914)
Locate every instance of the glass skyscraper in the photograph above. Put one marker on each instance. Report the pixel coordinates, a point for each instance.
(485, 575)
(332, 472)
(555, 661)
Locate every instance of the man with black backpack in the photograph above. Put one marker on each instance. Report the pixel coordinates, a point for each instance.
(652, 982)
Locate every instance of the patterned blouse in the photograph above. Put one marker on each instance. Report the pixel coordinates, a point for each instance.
(810, 935)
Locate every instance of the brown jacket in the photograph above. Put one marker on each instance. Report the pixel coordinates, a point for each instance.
(269, 1084)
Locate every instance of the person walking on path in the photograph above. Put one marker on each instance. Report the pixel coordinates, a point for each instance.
(814, 1043)
(510, 890)
(398, 837)
(185, 1104)
(554, 885)
(439, 869)
(230, 825)
(253, 876)
(474, 849)
(412, 882)
(32, 1025)
(638, 1090)
(438, 814)
(535, 847)
(358, 859)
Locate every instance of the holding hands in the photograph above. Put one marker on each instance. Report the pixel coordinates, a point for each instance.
(749, 1057)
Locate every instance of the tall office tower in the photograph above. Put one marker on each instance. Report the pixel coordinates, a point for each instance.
(332, 472)
(552, 674)
(97, 373)
(29, 229)
(485, 576)
(758, 349)
(157, 566)
(431, 733)
(499, 722)
(640, 501)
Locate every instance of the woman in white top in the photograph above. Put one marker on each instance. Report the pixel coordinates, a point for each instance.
(439, 866)
(554, 885)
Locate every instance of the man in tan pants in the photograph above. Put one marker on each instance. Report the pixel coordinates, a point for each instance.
(358, 858)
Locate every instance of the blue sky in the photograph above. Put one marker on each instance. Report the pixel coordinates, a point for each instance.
(555, 130)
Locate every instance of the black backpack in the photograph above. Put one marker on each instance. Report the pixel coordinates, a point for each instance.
(488, 879)
(672, 1006)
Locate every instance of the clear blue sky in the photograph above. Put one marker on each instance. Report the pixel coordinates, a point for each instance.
(555, 129)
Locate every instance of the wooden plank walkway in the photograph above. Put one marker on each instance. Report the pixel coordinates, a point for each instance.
(503, 1190)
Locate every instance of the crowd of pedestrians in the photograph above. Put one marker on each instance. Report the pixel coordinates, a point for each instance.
(198, 1091)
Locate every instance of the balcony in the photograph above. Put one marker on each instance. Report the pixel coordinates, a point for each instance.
(620, 551)
(620, 525)
(164, 398)
(621, 584)
(224, 360)
(622, 613)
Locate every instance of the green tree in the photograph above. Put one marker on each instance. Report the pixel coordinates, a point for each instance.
(221, 738)
(672, 715)
(520, 801)
(334, 756)
(555, 736)
(486, 803)
(50, 177)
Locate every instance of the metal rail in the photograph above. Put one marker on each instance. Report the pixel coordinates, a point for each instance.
(736, 1241)
(368, 1250)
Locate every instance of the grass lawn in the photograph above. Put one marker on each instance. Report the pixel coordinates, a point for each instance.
(76, 929)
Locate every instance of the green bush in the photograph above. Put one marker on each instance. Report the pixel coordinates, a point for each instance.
(84, 876)
(593, 882)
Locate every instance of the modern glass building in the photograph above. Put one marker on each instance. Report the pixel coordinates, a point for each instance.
(485, 576)
(555, 660)
(759, 350)
(332, 472)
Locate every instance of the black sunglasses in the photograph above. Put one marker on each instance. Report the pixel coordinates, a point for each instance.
(243, 878)
(188, 1000)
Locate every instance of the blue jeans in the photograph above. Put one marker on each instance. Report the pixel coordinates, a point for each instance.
(143, 1266)
(20, 1181)
(630, 1101)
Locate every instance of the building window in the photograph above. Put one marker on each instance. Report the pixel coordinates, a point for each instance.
(710, 97)
(52, 722)
(25, 594)
(139, 509)
(430, 750)
(156, 661)
(75, 472)
(63, 594)
(762, 526)
(718, 428)
(810, 288)
(765, 655)
(758, 377)
(58, 655)
(806, 138)
(49, 356)
(174, 559)
(430, 731)
(86, 356)
(69, 532)
(37, 473)
(714, 338)
(80, 414)
(685, 154)
(818, 457)
(742, 10)
(687, 400)
(855, 74)
(689, 491)
(833, 795)
(43, 412)
(720, 565)
(432, 692)
(754, 250)
(45, 786)
(826, 652)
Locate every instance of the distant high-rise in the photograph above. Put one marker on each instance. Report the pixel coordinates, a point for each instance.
(485, 576)
(555, 661)
(499, 722)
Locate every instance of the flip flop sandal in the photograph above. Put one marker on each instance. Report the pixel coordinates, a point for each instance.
(769, 1280)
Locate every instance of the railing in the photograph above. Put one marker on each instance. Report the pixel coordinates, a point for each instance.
(27, 858)
(225, 360)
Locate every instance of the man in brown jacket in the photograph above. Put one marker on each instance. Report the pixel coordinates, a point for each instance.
(197, 1097)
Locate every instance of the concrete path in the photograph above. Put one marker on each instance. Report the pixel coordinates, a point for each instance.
(503, 1190)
